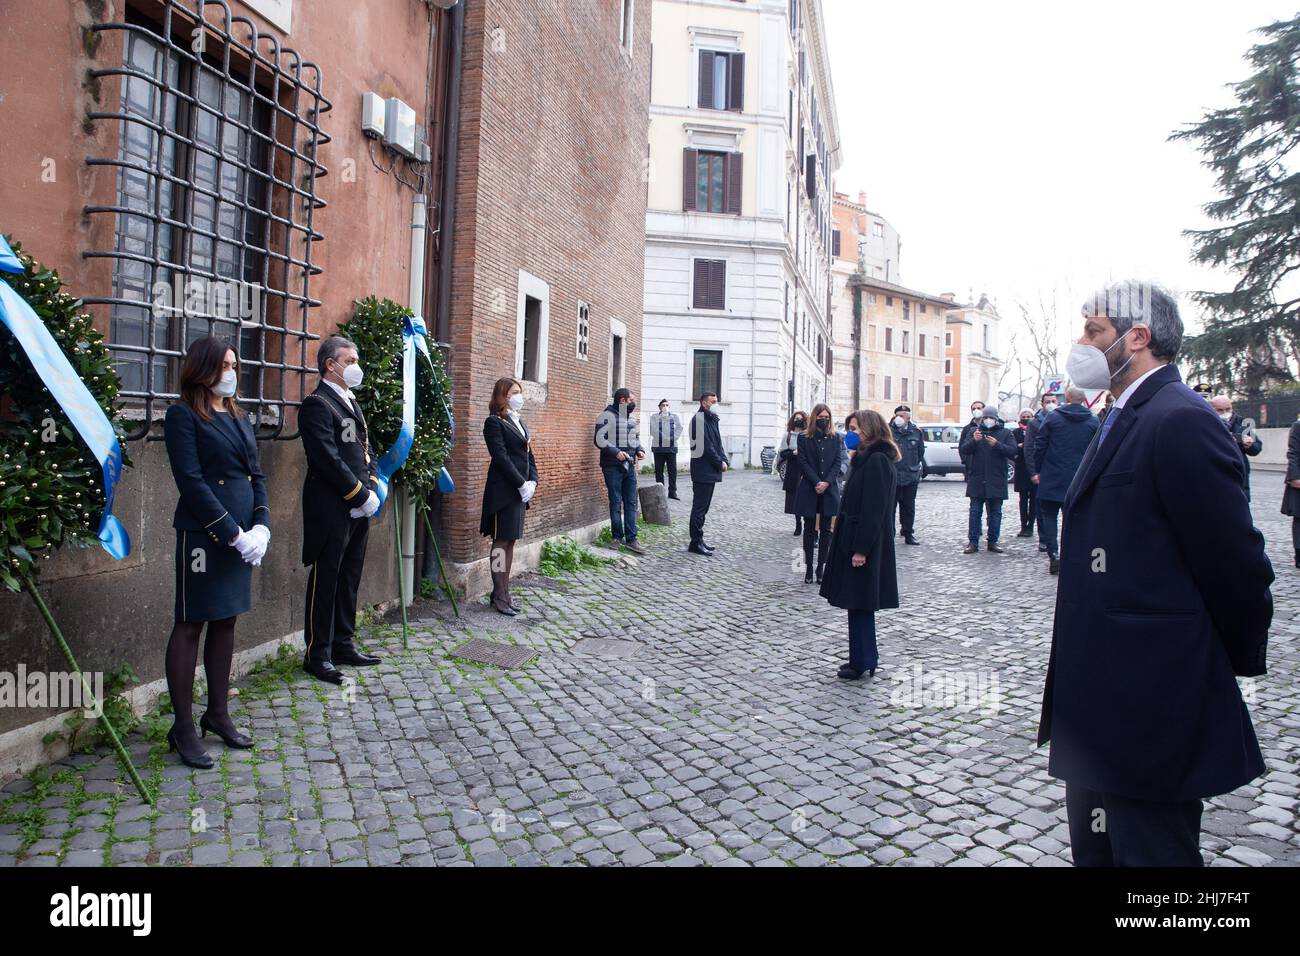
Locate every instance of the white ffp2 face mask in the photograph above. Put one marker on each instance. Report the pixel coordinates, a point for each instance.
(515, 402)
(352, 375)
(226, 387)
(1087, 365)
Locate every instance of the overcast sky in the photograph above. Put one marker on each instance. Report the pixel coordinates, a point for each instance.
(1021, 146)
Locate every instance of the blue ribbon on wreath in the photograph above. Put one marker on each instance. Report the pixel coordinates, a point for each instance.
(415, 335)
(67, 388)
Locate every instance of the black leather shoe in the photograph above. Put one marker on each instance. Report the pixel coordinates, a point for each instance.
(674, 498)
(696, 549)
(1042, 548)
(970, 548)
(848, 673)
(1053, 565)
(355, 658)
(503, 608)
(1025, 532)
(191, 757)
(995, 549)
(325, 671)
(235, 739)
(910, 539)
(808, 576)
(707, 547)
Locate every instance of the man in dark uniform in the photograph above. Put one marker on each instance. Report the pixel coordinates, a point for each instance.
(338, 500)
(911, 445)
(708, 462)
(1163, 601)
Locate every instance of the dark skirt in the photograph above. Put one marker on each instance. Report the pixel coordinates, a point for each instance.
(506, 524)
(213, 584)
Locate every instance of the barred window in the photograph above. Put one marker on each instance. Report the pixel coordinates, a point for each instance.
(216, 168)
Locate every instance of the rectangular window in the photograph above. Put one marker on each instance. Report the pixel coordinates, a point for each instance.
(920, 391)
(906, 340)
(904, 394)
(889, 301)
(871, 337)
(987, 348)
(712, 181)
(889, 339)
(947, 394)
(920, 344)
(532, 336)
(923, 308)
(722, 81)
(196, 249)
(710, 286)
(706, 373)
(871, 385)
(878, 230)
(835, 243)
(615, 363)
(947, 366)
(947, 339)
(584, 330)
(889, 383)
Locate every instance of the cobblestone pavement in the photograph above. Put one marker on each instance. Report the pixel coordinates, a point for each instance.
(725, 738)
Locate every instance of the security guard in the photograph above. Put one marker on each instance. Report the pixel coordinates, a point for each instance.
(338, 499)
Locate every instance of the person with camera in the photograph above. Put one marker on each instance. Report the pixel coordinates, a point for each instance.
(988, 448)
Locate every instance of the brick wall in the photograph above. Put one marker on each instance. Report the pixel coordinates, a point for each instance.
(553, 134)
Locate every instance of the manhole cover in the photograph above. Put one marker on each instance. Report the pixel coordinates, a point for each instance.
(606, 647)
(490, 652)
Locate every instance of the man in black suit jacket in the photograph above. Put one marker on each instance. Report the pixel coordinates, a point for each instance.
(1163, 597)
(708, 462)
(1247, 442)
(338, 499)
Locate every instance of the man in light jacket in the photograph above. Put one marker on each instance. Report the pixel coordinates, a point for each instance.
(665, 431)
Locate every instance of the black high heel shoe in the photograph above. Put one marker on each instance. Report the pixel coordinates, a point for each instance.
(236, 740)
(199, 760)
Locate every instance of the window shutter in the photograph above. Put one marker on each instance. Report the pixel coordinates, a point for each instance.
(735, 177)
(690, 164)
(706, 80)
(736, 82)
(718, 287)
(700, 286)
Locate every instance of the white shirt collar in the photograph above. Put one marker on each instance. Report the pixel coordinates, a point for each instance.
(1119, 401)
(344, 392)
(514, 417)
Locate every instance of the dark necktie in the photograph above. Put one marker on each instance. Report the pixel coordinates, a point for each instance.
(1106, 422)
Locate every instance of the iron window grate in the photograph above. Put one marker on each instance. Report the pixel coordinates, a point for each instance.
(215, 206)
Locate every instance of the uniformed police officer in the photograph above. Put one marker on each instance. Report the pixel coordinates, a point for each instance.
(338, 499)
(911, 446)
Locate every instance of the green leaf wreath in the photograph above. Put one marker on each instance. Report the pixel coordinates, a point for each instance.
(376, 329)
(51, 485)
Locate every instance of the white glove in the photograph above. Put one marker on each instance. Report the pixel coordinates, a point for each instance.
(263, 535)
(527, 490)
(368, 509)
(247, 544)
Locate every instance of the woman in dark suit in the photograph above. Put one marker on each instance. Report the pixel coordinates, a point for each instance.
(222, 527)
(511, 484)
(817, 498)
(788, 453)
(1291, 492)
(861, 577)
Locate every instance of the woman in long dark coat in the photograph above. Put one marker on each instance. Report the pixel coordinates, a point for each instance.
(861, 576)
(511, 483)
(1291, 493)
(223, 528)
(788, 453)
(1024, 476)
(817, 499)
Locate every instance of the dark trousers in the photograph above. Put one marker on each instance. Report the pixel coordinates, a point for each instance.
(994, 508)
(1295, 534)
(1110, 830)
(331, 617)
(701, 498)
(863, 655)
(905, 500)
(1048, 512)
(620, 482)
(1028, 507)
(666, 459)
